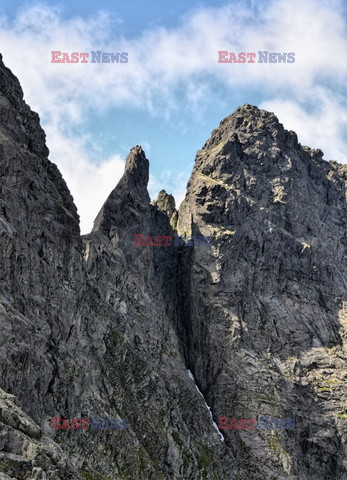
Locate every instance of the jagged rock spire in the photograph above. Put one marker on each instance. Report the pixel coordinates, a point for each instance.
(136, 172)
(166, 203)
(130, 197)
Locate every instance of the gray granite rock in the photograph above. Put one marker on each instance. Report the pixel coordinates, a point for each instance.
(265, 334)
(25, 451)
(88, 329)
(95, 326)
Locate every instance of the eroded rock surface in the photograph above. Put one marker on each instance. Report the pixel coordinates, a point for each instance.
(266, 328)
(88, 328)
(98, 327)
(25, 451)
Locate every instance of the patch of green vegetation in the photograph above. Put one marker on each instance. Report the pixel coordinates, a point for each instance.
(323, 389)
(177, 439)
(262, 326)
(161, 426)
(143, 458)
(117, 337)
(275, 443)
(93, 475)
(331, 381)
(61, 435)
(342, 415)
(245, 449)
(221, 232)
(276, 447)
(204, 460)
(266, 398)
(187, 459)
(86, 475)
(214, 181)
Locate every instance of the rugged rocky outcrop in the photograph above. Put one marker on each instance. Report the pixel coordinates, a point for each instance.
(266, 328)
(26, 451)
(88, 329)
(95, 326)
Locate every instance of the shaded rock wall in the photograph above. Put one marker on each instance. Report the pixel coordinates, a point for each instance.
(97, 327)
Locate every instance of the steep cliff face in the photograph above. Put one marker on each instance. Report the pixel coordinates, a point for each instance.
(89, 331)
(42, 280)
(266, 328)
(99, 327)
(145, 362)
(41, 274)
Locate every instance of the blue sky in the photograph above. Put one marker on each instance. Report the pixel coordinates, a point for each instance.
(172, 92)
(131, 17)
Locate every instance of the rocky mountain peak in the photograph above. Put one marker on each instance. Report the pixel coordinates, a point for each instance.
(251, 137)
(247, 123)
(130, 197)
(22, 125)
(165, 202)
(137, 169)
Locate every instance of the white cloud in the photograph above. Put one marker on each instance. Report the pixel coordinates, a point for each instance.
(322, 125)
(89, 183)
(171, 70)
(172, 182)
(161, 60)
